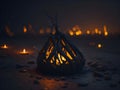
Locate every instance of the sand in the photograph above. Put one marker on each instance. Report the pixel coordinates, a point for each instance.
(101, 71)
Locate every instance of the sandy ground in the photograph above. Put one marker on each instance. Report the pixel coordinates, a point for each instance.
(101, 71)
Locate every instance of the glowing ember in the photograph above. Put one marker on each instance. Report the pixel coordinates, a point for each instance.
(24, 52)
(4, 46)
(99, 45)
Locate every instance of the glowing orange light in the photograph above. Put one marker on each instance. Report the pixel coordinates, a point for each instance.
(24, 29)
(99, 45)
(99, 32)
(4, 46)
(78, 33)
(88, 31)
(24, 52)
(96, 30)
(106, 33)
(74, 28)
(71, 33)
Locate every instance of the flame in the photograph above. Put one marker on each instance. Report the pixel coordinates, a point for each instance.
(71, 33)
(99, 32)
(24, 52)
(99, 45)
(4, 46)
(24, 29)
(59, 60)
(68, 55)
(88, 31)
(79, 32)
(49, 51)
(96, 30)
(51, 61)
(105, 31)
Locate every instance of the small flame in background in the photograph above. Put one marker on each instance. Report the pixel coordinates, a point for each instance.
(24, 29)
(99, 45)
(4, 46)
(76, 31)
(24, 52)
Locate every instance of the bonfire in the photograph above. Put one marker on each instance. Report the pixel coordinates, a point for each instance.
(59, 56)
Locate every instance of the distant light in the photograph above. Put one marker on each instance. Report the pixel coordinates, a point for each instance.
(99, 32)
(71, 33)
(4, 46)
(99, 45)
(88, 31)
(96, 30)
(105, 30)
(106, 33)
(78, 33)
(24, 52)
(24, 29)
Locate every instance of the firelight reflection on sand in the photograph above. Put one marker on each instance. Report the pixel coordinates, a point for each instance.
(51, 84)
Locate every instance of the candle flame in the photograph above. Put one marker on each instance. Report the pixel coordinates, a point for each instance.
(24, 52)
(4, 46)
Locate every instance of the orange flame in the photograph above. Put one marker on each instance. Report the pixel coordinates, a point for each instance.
(4, 46)
(24, 29)
(24, 52)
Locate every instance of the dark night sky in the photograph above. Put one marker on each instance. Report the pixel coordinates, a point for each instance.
(88, 14)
